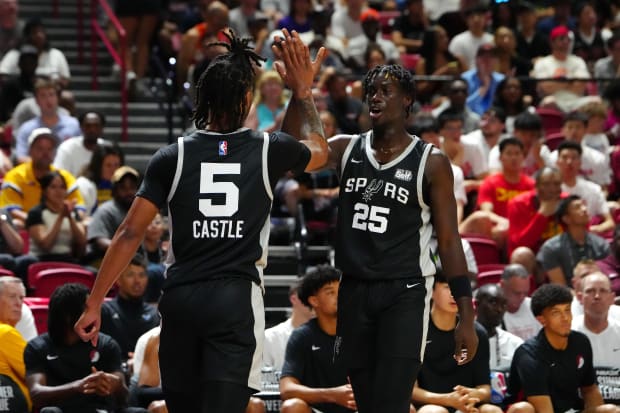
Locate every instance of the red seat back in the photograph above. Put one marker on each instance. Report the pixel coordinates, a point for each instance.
(47, 280)
(485, 250)
(554, 140)
(35, 268)
(489, 277)
(40, 313)
(552, 119)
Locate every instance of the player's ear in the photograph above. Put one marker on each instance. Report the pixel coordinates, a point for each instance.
(313, 301)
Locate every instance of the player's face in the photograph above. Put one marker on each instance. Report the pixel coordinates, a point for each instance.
(326, 299)
(596, 296)
(11, 299)
(556, 320)
(132, 282)
(386, 102)
(491, 307)
(442, 298)
(515, 291)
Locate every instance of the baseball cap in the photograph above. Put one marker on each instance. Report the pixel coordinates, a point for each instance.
(41, 133)
(559, 31)
(369, 14)
(122, 172)
(486, 48)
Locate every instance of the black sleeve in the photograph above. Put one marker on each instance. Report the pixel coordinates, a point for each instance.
(159, 175)
(110, 355)
(34, 358)
(35, 216)
(294, 356)
(285, 154)
(482, 371)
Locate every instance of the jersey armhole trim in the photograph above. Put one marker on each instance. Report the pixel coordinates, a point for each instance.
(179, 170)
(427, 150)
(347, 153)
(265, 161)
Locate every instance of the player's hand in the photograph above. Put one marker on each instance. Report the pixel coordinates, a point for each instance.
(462, 402)
(465, 336)
(343, 396)
(295, 67)
(88, 325)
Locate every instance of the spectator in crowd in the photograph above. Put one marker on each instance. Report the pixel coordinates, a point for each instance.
(299, 17)
(139, 18)
(602, 330)
(154, 251)
(569, 155)
(588, 41)
(560, 16)
(15, 396)
(277, 336)
(518, 318)
(127, 316)
(310, 379)
(21, 189)
(466, 44)
(457, 97)
(240, 16)
(436, 60)
(345, 21)
(531, 215)
(348, 111)
(52, 62)
(410, 28)
(509, 63)
(68, 374)
(482, 79)
(553, 371)
(10, 26)
(559, 255)
(110, 214)
(491, 304)
(27, 108)
(608, 67)
(595, 136)
(610, 265)
(54, 226)
(193, 43)
(565, 93)
(442, 381)
(12, 247)
(95, 181)
(75, 153)
(531, 43)
(593, 164)
(510, 97)
(491, 129)
(16, 88)
(267, 110)
(357, 46)
(528, 129)
(62, 126)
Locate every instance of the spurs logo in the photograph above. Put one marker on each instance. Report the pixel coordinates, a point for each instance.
(374, 187)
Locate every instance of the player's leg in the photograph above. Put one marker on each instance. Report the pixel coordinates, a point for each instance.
(398, 375)
(362, 383)
(225, 397)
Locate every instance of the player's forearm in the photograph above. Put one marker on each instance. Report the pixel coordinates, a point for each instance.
(308, 394)
(482, 392)
(421, 396)
(303, 122)
(49, 395)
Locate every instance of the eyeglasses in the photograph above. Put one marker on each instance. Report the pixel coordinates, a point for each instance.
(595, 291)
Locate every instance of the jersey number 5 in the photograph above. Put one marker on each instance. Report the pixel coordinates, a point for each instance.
(208, 171)
(370, 218)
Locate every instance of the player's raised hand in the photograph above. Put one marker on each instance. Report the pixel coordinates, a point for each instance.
(294, 64)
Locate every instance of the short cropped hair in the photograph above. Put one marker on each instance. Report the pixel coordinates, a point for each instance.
(548, 295)
(314, 280)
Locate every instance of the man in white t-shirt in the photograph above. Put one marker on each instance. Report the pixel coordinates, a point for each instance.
(74, 153)
(345, 22)
(466, 44)
(603, 332)
(488, 136)
(518, 319)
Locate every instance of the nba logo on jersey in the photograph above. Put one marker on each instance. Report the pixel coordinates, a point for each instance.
(223, 148)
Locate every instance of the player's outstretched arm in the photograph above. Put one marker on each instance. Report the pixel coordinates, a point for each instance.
(439, 181)
(298, 72)
(122, 249)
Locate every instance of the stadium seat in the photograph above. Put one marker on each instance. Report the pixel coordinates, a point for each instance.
(409, 60)
(552, 120)
(5, 272)
(387, 19)
(553, 140)
(489, 277)
(47, 280)
(40, 312)
(485, 250)
(491, 267)
(35, 268)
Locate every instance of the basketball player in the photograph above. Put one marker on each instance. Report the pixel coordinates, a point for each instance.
(395, 190)
(217, 184)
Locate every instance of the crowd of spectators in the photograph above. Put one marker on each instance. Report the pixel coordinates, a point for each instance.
(522, 98)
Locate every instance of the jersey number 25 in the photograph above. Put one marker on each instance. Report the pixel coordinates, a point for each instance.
(370, 218)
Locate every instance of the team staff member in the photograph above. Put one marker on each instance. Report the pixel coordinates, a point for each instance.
(217, 184)
(395, 191)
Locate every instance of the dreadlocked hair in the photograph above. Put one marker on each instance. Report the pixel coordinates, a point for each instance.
(221, 89)
(396, 72)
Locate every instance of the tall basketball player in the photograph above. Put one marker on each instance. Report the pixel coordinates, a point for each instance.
(217, 184)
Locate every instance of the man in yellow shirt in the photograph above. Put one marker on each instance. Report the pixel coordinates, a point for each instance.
(14, 395)
(21, 190)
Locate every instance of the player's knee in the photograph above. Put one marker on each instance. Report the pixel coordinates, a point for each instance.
(489, 408)
(521, 407)
(255, 405)
(432, 408)
(608, 408)
(158, 406)
(295, 406)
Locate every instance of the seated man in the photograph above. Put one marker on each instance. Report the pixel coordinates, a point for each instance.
(443, 384)
(610, 265)
(553, 371)
(65, 374)
(14, 396)
(603, 332)
(310, 379)
(126, 317)
(518, 318)
(559, 255)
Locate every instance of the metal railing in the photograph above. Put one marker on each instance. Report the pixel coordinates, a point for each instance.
(117, 56)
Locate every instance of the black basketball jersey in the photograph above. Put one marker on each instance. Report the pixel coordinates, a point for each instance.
(219, 201)
(384, 226)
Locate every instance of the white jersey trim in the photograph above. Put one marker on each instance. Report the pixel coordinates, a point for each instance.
(266, 166)
(258, 309)
(347, 153)
(393, 162)
(179, 170)
(429, 279)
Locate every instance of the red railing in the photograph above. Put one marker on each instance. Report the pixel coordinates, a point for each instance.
(98, 33)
